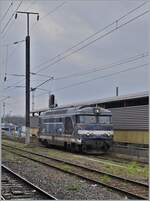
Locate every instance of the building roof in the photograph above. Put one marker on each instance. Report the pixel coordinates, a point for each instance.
(4, 125)
(104, 100)
(115, 98)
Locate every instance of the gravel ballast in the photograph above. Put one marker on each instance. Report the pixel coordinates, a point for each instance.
(61, 185)
(131, 171)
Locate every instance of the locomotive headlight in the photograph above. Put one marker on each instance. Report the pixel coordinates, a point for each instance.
(97, 110)
(110, 133)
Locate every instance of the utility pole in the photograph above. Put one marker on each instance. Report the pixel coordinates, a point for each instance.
(27, 141)
(4, 112)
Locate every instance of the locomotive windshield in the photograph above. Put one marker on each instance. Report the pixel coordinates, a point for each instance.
(104, 120)
(92, 119)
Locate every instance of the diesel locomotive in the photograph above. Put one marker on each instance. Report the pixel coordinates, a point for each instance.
(82, 129)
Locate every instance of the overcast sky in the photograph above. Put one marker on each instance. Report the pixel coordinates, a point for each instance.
(87, 73)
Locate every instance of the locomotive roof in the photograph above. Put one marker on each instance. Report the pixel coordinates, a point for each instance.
(76, 110)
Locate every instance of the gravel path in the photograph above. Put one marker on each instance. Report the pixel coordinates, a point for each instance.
(61, 185)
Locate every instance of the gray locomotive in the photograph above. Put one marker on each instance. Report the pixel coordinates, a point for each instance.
(86, 129)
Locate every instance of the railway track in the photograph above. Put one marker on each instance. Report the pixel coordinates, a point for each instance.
(115, 160)
(105, 157)
(13, 186)
(130, 188)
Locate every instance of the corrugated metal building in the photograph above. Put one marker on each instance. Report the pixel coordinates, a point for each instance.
(131, 124)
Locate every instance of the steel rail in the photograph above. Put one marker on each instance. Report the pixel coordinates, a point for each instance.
(135, 195)
(2, 198)
(105, 158)
(121, 161)
(77, 165)
(39, 190)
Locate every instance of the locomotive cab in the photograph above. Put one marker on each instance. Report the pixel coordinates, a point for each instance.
(95, 130)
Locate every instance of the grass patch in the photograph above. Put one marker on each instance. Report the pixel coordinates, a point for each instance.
(9, 156)
(134, 168)
(74, 187)
(65, 167)
(105, 179)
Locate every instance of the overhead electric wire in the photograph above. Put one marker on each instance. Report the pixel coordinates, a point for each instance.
(17, 75)
(92, 35)
(86, 45)
(6, 12)
(11, 17)
(91, 42)
(83, 82)
(16, 87)
(41, 17)
(97, 69)
(52, 11)
(100, 77)
(12, 24)
(49, 13)
(129, 12)
(16, 83)
(6, 62)
(114, 29)
(104, 67)
(101, 36)
(39, 85)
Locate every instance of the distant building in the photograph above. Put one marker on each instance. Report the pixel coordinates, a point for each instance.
(9, 128)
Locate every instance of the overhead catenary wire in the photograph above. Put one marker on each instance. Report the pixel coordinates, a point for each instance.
(8, 28)
(91, 36)
(6, 62)
(93, 41)
(22, 75)
(7, 55)
(107, 33)
(6, 12)
(100, 77)
(97, 69)
(13, 86)
(49, 13)
(11, 17)
(52, 11)
(100, 68)
(97, 38)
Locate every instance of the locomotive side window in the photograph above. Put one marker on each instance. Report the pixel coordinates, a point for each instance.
(52, 120)
(68, 125)
(86, 119)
